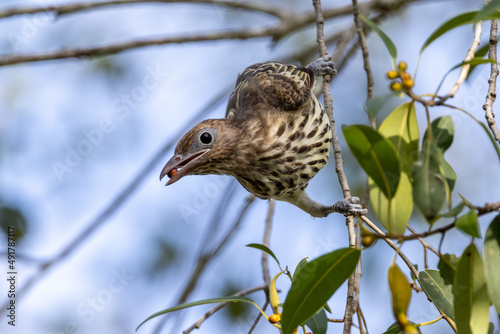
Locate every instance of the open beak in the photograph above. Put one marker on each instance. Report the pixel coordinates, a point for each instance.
(182, 164)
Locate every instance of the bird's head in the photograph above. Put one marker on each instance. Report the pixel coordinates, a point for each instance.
(202, 150)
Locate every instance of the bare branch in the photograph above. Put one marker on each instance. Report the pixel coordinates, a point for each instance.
(267, 236)
(206, 255)
(492, 88)
(78, 7)
(364, 50)
(465, 69)
(219, 306)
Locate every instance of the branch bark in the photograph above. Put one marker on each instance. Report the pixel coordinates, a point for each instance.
(492, 81)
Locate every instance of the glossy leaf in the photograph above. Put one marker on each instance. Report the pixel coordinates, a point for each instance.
(401, 128)
(274, 299)
(471, 300)
(318, 323)
(492, 261)
(447, 266)
(299, 266)
(443, 130)
(449, 175)
(468, 224)
(395, 214)
(203, 302)
(400, 291)
(314, 284)
(429, 188)
(459, 20)
(395, 329)
(440, 293)
(266, 250)
(453, 212)
(391, 47)
(376, 155)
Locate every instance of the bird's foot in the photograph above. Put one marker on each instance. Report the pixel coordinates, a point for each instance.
(322, 66)
(349, 207)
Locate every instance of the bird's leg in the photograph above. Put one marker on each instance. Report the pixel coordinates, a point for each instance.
(322, 66)
(346, 206)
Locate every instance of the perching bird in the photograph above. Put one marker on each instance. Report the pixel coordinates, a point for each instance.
(274, 139)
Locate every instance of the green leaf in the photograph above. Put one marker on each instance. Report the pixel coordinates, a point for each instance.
(376, 155)
(440, 293)
(203, 302)
(471, 300)
(442, 132)
(453, 212)
(491, 328)
(459, 20)
(395, 214)
(400, 291)
(487, 11)
(429, 184)
(387, 41)
(318, 323)
(480, 53)
(492, 261)
(473, 62)
(468, 224)
(449, 175)
(12, 221)
(315, 284)
(447, 266)
(266, 250)
(299, 266)
(401, 128)
(395, 329)
(376, 104)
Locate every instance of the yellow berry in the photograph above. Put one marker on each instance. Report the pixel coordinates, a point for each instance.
(405, 76)
(402, 66)
(408, 83)
(367, 240)
(274, 318)
(395, 86)
(392, 74)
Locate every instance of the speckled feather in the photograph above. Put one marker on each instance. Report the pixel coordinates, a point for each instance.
(274, 139)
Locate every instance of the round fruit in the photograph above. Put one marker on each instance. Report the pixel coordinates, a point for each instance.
(172, 173)
(405, 76)
(392, 74)
(367, 240)
(408, 83)
(402, 66)
(274, 318)
(396, 86)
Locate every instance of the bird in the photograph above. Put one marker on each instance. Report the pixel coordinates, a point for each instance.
(274, 139)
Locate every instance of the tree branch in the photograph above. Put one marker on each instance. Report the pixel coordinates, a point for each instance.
(78, 7)
(490, 98)
(364, 50)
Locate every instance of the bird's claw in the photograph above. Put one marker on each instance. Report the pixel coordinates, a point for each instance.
(349, 207)
(322, 66)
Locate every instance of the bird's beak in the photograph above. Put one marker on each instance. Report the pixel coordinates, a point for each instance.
(182, 163)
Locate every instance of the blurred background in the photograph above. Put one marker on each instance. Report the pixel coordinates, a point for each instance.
(83, 141)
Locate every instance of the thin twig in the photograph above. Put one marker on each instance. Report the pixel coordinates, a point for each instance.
(219, 306)
(259, 316)
(206, 256)
(77, 7)
(118, 201)
(407, 261)
(423, 242)
(339, 164)
(492, 81)
(465, 69)
(267, 236)
(288, 23)
(364, 50)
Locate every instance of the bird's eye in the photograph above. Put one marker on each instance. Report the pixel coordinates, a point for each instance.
(206, 138)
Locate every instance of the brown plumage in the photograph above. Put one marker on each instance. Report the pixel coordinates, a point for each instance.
(274, 139)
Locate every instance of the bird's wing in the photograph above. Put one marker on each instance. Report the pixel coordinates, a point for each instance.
(270, 85)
